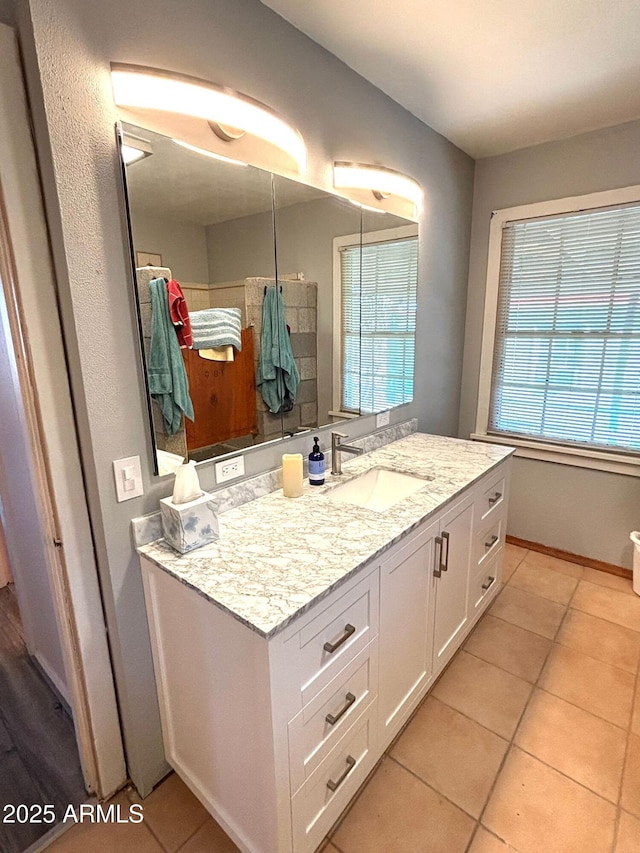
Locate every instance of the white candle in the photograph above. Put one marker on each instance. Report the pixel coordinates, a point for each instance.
(292, 474)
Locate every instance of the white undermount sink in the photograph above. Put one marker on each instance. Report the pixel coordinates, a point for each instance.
(378, 489)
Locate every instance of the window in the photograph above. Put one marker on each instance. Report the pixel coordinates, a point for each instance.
(561, 355)
(376, 328)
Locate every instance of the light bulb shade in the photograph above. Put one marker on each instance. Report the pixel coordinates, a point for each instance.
(135, 148)
(380, 180)
(136, 87)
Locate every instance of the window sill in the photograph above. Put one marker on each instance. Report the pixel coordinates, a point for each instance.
(578, 457)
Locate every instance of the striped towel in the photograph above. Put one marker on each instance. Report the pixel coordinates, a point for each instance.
(216, 327)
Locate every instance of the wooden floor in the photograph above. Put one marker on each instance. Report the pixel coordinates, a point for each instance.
(39, 761)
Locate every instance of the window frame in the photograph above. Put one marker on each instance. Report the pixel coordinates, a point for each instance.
(388, 235)
(617, 461)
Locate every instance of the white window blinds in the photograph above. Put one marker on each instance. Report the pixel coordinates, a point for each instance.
(378, 316)
(567, 348)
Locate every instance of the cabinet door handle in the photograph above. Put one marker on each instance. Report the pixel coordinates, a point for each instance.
(333, 719)
(348, 631)
(495, 498)
(438, 557)
(351, 763)
(445, 564)
(489, 582)
(491, 542)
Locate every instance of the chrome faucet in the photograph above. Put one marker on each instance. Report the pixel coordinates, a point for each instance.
(337, 449)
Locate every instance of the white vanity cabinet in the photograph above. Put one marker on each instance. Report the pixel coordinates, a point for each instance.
(276, 734)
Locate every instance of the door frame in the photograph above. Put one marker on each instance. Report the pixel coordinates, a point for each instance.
(30, 293)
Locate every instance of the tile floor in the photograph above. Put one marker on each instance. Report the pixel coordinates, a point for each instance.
(529, 742)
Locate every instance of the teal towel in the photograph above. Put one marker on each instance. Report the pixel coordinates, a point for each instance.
(168, 382)
(278, 375)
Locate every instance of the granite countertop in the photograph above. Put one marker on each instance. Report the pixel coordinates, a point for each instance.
(277, 556)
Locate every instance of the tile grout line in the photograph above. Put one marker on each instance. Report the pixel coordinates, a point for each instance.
(511, 744)
(635, 703)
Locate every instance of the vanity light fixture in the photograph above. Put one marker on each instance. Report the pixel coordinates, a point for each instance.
(383, 183)
(206, 153)
(230, 114)
(135, 148)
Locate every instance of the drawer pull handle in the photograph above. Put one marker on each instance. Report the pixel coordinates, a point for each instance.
(333, 719)
(491, 542)
(438, 569)
(495, 498)
(331, 647)
(444, 566)
(489, 582)
(351, 763)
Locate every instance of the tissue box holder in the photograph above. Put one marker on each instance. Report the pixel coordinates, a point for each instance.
(191, 525)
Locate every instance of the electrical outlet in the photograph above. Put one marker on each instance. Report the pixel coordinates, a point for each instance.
(229, 469)
(382, 419)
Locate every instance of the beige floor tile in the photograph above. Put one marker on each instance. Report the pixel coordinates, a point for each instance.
(608, 604)
(490, 696)
(453, 754)
(544, 582)
(172, 812)
(630, 799)
(397, 812)
(485, 842)
(209, 839)
(513, 556)
(574, 570)
(600, 639)
(528, 611)
(520, 652)
(599, 578)
(604, 690)
(628, 834)
(534, 808)
(108, 837)
(581, 746)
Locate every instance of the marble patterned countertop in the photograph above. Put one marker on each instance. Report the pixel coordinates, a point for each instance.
(277, 556)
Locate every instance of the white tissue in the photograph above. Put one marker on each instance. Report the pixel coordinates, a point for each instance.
(187, 486)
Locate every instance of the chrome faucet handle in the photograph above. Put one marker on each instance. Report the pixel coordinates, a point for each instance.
(339, 434)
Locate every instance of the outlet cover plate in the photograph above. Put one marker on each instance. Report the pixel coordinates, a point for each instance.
(382, 419)
(229, 469)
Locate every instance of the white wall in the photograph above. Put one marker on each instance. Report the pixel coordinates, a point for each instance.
(68, 45)
(586, 512)
(183, 245)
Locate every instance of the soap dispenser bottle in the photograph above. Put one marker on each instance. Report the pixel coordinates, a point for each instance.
(316, 464)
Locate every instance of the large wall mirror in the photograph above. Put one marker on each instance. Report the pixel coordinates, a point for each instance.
(300, 277)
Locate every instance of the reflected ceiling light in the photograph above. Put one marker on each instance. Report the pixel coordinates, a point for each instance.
(365, 206)
(206, 153)
(382, 182)
(233, 113)
(135, 148)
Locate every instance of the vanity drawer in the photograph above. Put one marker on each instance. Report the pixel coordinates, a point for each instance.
(492, 498)
(331, 640)
(489, 541)
(485, 583)
(323, 721)
(327, 792)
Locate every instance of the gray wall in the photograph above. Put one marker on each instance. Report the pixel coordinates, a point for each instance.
(68, 45)
(183, 245)
(579, 510)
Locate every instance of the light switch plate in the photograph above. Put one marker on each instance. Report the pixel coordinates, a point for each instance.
(382, 419)
(128, 477)
(229, 469)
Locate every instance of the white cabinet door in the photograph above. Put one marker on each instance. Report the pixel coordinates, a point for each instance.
(405, 632)
(450, 578)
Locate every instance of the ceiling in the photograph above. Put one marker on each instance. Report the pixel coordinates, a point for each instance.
(490, 75)
(175, 183)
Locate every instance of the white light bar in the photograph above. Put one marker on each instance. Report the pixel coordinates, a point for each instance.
(149, 88)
